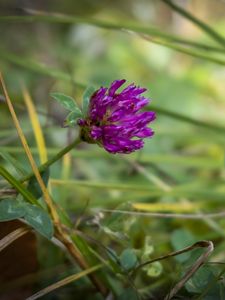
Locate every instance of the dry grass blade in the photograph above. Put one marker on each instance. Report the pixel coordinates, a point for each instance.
(199, 262)
(36, 126)
(161, 207)
(197, 216)
(63, 282)
(63, 236)
(29, 154)
(12, 236)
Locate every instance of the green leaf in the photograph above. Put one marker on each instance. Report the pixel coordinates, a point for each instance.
(18, 186)
(200, 280)
(14, 162)
(39, 220)
(182, 238)
(128, 259)
(72, 117)
(114, 260)
(66, 101)
(115, 234)
(86, 99)
(33, 185)
(10, 209)
(128, 293)
(154, 269)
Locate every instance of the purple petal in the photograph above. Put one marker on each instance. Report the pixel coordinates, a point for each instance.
(145, 132)
(96, 132)
(115, 86)
(115, 119)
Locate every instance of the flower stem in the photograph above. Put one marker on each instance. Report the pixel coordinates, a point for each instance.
(59, 231)
(52, 160)
(61, 234)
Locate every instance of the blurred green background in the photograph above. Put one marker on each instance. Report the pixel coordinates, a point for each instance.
(180, 170)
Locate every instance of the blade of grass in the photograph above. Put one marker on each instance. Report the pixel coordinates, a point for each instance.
(64, 282)
(197, 216)
(161, 183)
(18, 186)
(55, 158)
(66, 166)
(184, 50)
(38, 67)
(180, 160)
(208, 245)
(188, 119)
(176, 191)
(36, 126)
(12, 236)
(45, 70)
(203, 26)
(23, 140)
(15, 163)
(36, 16)
(173, 207)
(63, 236)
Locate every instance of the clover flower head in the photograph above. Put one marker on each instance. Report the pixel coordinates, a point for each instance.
(114, 119)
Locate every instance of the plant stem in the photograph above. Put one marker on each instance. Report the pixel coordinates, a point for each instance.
(188, 119)
(52, 160)
(62, 234)
(206, 28)
(35, 16)
(18, 186)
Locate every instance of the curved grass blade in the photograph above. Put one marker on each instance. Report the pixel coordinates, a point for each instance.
(27, 64)
(15, 163)
(64, 282)
(12, 236)
(10, 209)
(38, 133)
(150, 30)
(205, 27)
(18, 186)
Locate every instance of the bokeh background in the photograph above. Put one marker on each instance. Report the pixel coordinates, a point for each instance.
(180, 170)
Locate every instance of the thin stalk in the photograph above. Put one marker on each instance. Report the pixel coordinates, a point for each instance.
(52, 160)
(35, 16)
(38, 67)
(12, 236)
(18, 186)
(187, 119)
(185, 50)
(64, 282)
(204, 27)
(61, 233)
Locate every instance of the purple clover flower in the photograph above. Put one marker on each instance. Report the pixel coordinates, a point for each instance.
(114, 120)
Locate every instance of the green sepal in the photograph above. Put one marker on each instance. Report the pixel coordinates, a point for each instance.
(86, 99)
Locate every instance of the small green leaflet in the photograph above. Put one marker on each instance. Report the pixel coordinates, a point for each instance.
(86, 99)
(11, 209)
(15, 163)
(33, 185)
(128, 293)
(39, 220)
(128, 259)
(66, 101)
(72, 118)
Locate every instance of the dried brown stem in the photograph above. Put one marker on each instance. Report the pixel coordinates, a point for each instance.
(198, 263)
(61, 234)
(12, 236)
